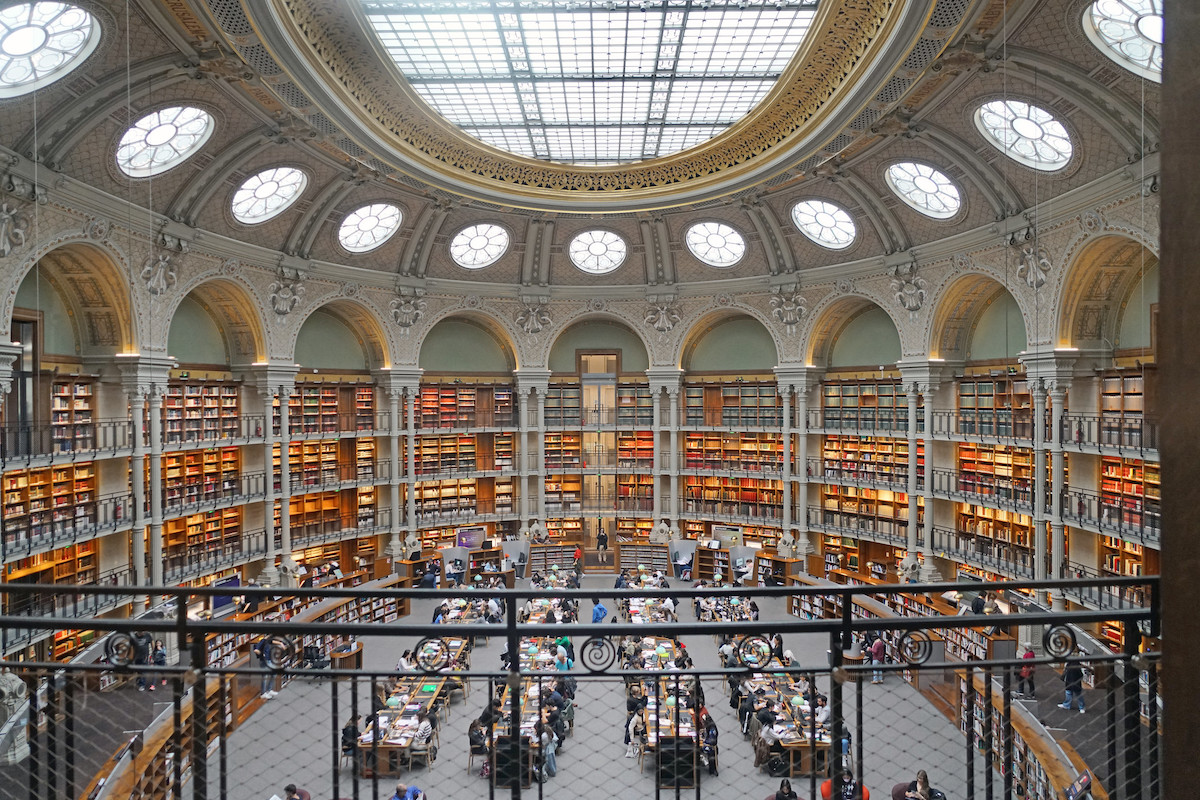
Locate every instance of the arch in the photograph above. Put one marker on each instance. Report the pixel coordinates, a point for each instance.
(729, 342)
(961, 307)
(1100, 280)
(831, 322)
(233, 310)
(363, 325)
(466, 344)
(599, 333)
(92, 281)
(60, 335)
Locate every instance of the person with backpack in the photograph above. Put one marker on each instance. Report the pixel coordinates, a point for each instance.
(141, 656)
(1025, 686)
(878, 656)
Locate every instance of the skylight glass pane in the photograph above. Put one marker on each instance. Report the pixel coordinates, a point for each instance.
(592, 82)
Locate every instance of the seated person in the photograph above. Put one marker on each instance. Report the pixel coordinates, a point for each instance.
(424, 732)
(290, 792)
(404, 792)
(918, 789)
(350, 735)
(771, 737)
(822, 712)
(844, 787)
(477, 739)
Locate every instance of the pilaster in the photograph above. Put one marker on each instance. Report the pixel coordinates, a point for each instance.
(275, 381)
(795, 383)
(400, 389)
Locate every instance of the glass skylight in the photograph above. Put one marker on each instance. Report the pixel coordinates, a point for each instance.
(591, 82)
(597, 252)
(477, 246)
(1130, 32)
(369, 227)
(162, 139)
(42, 42)
(1027, 134)
(715, 243)
(267, 194)
(826, 224)
(926, 189)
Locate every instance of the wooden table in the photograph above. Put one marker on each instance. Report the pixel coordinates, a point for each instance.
(794, 724)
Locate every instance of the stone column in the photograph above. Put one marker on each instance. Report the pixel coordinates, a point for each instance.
(395, 547)
(786, 436)
(401, 387)
(536, 381)
(929, 573)
(1037, 390)
(155, 488)
(797, 382)
(1058, 394)
(137, 480)
(656, 468)
(910, 563)
(666, 434)
(275, 381)
(287, 566)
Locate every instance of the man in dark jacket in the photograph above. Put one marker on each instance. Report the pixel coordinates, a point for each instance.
(141, 656)
(1073, 683)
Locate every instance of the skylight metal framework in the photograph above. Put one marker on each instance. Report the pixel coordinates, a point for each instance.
(591, 83)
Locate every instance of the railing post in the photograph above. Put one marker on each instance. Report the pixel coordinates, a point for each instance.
(968, 713)
(1132, 713)
(198, 655)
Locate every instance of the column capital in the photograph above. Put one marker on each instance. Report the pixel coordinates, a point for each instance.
(927, 374)
(272, 379)
(143, 376)
(397, 381)
(1052, 369)
(9, 353)
(668, 378)
(797, 377)
(532, 379)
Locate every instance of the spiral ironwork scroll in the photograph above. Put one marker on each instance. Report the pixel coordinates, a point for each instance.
(1059, 641)
(432, 654)
(597, 654)
(915, 647)
(754, 651)
(278, 651)
(118, 649)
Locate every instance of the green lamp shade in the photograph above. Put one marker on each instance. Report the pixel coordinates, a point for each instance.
(670, 702)
(797, 700)
(661, 651)
(393, 702)
(735, 601)
(478, 577)
(532, 650)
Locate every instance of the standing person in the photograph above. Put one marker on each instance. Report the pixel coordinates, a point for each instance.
(602, 545)
(549, 743)
(141, 657)
(878, 654)
(1073, 683)
(578, 565)
(599, 612)
(158, 657)
(1025, 676)
(260, 650)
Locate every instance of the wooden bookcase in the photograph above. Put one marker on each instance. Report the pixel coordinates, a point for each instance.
(37, 501)
(996, 469)
(739, 404)
(563, 493)
(635, 450)
(772, 569)
(1119, 557)
(751, 452)
(878, 510)
(652, 556)
(995, 405)
(755, 498)
(1130, 491)
(476, 565)
(566, 528)
(72, 416)
(195, 475)
(465, 406)
(199, 535)
(563, 450)
(869, 458)
(544, 556)
(564, 407)
(1011, 533)
(197, 412)
(631, 529)
(710, 563)
(1122, 408)
(853, 403)
(635, 406)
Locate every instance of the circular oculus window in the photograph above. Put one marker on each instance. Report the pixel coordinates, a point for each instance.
(42, 42)
(369, 227)
(477, 246)
(826, 224)
(163, 139)
(715, 243)
(268, 194)
(597, 252)
(925, 189)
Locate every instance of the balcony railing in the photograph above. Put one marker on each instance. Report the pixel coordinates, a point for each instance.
(734, 417)
(22, 444)
(502, 418)
(767, 512)
(867, 421)
(1113, 516)
(179, 431)
(249, 546)
(846, 523)
(1122, 434)
(865, 473)
(242, 488)
(90, 736)
(973, 487)
(1007, 558)
(47, 529)
(992, 424)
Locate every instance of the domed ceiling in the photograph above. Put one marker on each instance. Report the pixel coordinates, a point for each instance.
(591, 105)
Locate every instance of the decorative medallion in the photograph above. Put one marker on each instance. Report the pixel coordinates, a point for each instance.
(662, 317)
(14, 224)
(286, 291)
(533, 318)
(98, 229)
(909, 288)
(1091, 221)
(788, 307)
(159, 273)
(229, 266)
(407, 310)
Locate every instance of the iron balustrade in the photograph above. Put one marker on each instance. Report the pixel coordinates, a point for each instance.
(308, 425)
(1099, 595)
(250, 545)
(848, 523)
(758, 512)
(467, 507)
(462, 420)
(891, 422)
(24, 444)
(1008, 558)
(733, 417)
(993, 424)
(973, 487)
(1123, 755)
(226, 491)
(1113, 516)
(1118, 433)
(76, 523)
(864, 473)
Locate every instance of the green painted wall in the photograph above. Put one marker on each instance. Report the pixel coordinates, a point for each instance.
(1135, 322)
(325, 342)
(1002, 318)
(455, 345)
(870, 340)
(598, 335)
(58, 331)
(195, 337)
(738, 344)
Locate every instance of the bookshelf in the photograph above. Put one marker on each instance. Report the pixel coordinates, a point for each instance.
(200, 536)
(740, 404)
(1129, 491)
(868, 458)
(568, 528)
(1119, 557)
(630, 529)
(478, 561)
(544, 556)
(995, 405)
(1122, 408)
(709, 564)
(564, 406)
(635, 492)
(881, 511)
(635, 450)
(38, 501)
(445, 454)
(839, 552)
(772, 569)
(651, 556)
(464, 406)
(563, 493)
(635, 406)
(752, 452)
(74, 564)
(1011, 533)
(563, 450)
(198, 412)
(753, 498)
(72, 416)
(852, 404)
(196, 475)
(995, 469)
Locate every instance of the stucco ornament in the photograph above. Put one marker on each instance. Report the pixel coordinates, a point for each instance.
(788, 306)
(662, 317)
(533, 318)
(158, 272)
(98, 229)
(1034, 266)
(910, 288)
(14, 224)
(407, 310)
(286, 291)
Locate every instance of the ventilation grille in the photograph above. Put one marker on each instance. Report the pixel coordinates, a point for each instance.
(921, 55)
(839, 144)
(948, 13)
(893, 90)
(260, 60)
(322, 125)
(291, 94)
(809, 164)
(229, 14)
(864, 120)
(379, 166)
(348, 147)
(779, 179)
